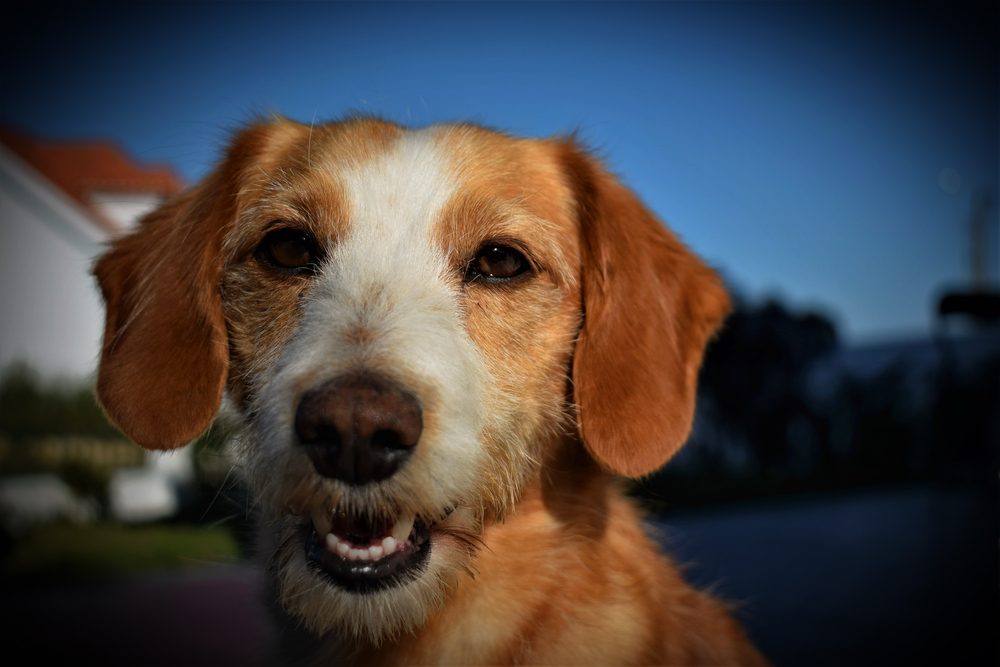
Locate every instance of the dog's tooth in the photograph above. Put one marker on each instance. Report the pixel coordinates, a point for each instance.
(321, 521)
(389, 545)
(343, 548)
(332, 541)
(401, 529)
(358, 554)
(376, 552)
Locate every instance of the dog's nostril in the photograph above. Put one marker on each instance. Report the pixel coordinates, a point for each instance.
(320, 434)
(358, 430)
(387, 439)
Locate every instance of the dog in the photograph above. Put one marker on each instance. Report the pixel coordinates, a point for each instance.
(444, 346)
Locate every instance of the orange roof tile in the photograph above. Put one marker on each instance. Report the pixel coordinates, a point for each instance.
(82, 167)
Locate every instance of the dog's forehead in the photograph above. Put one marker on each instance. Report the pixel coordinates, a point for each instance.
(398, 178)
(405, 184)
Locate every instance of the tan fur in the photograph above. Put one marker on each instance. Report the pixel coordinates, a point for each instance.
(588, 371)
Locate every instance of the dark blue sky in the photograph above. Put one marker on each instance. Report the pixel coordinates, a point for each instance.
(823, 153)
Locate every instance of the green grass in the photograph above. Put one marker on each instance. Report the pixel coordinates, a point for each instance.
(64, 551)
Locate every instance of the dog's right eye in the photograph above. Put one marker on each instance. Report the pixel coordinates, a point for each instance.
(288, 249)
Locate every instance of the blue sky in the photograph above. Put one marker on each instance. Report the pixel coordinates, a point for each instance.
(800, 147)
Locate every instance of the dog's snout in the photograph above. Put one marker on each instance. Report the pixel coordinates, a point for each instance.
(358, 430)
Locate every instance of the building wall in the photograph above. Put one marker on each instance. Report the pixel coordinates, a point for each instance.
(124, 209)
(52, 315)
(50, 312)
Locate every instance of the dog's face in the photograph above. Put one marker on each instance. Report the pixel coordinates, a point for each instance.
(409, 324)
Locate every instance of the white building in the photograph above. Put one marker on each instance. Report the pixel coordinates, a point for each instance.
(60, 201)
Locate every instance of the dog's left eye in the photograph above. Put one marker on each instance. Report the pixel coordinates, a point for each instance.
(497, 263)
(289, 249)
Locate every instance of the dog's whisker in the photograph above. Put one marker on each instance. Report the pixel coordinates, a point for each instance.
(218, 492)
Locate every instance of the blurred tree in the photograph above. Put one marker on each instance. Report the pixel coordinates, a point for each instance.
(30, 408)
(769, 423)
(878, 427)
(965, 420)
(756, 371)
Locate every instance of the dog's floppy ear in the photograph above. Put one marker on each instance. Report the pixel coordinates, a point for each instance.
(164, 355)
(650, 307)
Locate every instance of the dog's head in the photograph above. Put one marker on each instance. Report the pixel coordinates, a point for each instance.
(409, 324)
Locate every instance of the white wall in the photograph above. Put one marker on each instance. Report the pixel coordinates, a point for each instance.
(124, 209)
(50, 311)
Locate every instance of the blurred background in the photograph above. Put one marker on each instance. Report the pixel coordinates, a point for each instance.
(838, 163)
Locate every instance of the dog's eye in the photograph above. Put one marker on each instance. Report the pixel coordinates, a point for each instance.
(290, 249)
(497, 263)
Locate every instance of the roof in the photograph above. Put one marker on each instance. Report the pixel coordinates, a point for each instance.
(82, 167)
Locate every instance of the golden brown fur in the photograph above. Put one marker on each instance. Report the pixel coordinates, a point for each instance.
(587, 371)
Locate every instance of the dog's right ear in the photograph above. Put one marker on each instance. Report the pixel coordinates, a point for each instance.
(164, 356)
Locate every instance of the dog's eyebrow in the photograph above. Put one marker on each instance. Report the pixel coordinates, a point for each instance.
(253, 221)
(315, 206)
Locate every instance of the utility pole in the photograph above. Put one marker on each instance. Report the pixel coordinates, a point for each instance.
(979, 241)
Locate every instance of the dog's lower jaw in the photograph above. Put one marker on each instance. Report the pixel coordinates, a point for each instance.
(376, 612)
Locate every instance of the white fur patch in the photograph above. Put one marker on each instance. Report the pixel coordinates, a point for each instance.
(385, 279)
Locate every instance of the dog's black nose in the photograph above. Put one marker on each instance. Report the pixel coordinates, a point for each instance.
(358, 430)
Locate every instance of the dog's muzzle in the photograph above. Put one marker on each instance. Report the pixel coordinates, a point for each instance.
(358, 430)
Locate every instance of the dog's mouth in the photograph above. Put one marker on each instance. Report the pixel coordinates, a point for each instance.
(363, 555)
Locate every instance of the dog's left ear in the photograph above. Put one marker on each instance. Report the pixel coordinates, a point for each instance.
(650, 307)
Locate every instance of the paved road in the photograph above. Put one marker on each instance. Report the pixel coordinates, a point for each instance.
(879, 578)
(901, 577)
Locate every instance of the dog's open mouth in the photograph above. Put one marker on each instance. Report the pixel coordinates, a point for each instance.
(362, 555)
